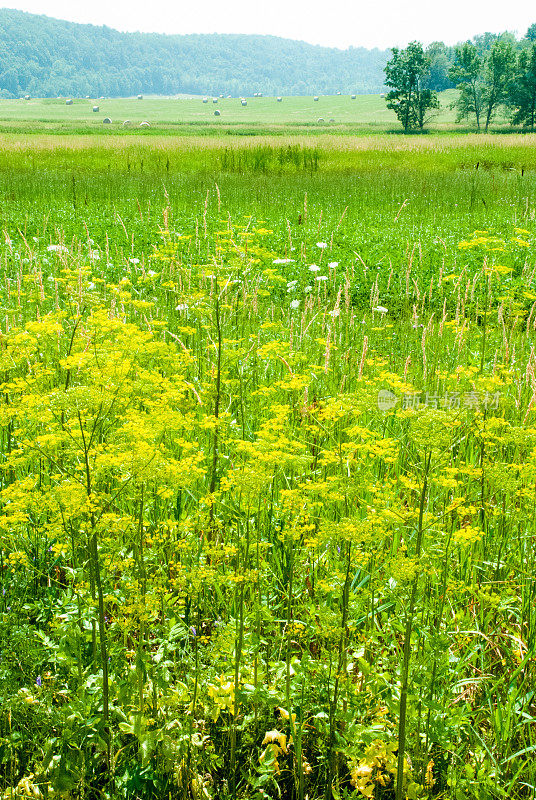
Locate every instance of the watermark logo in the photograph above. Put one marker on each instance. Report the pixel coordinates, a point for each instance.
(387, 400)
(478, 401)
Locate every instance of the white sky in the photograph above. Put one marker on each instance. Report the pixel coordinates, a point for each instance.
(361, 23)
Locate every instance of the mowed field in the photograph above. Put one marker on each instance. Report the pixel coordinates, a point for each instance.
(338, 112)
(267, 455)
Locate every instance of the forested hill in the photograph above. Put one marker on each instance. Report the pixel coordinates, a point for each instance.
(47, 57)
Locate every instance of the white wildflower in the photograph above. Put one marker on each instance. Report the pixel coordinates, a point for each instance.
(321, 245)
(314, 268)
(134, 260)
(295, 304)
(283, 261)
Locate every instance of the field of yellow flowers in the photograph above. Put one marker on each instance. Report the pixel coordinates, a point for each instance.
(268, 510)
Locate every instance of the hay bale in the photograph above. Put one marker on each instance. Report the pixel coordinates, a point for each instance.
(106, 121)
(145, 124)
(316, 98)
(382, 95)
(279, 99)
(126, 123)
(140, 97)
(68, 102)
(217, 113)
(205, 99)
(27, 97)
(338, 92)
(214, 99)
(320, 120)
(95, 109)
(243, 102)
(332, 120)
(353, 97)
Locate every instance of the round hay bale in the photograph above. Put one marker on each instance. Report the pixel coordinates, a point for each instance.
(217, 113)
(140, 97)
(214, 99)
(95, 109)
(126, 123)
(106, 121)
(68, 102)
(205, 99)
(27, 97)
(279, 99)
(243, 102)
(353, 97)
(320, 120)
(382, 94)
(332, 120)
(338, 92)
(221, 96)
(316, 98)
(145, 124)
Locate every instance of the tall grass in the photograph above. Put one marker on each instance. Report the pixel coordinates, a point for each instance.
(267, 477)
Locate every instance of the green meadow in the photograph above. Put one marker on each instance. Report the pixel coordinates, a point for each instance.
(267, 453)
(188, 114)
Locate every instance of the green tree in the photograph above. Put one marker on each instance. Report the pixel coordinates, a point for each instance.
(440, 62)
(498, 75)
(407, 74)
(523, 89)
(466, 74)
(531, 33)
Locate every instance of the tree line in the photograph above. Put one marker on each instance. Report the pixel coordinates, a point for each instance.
(46, 57)
(491, 73)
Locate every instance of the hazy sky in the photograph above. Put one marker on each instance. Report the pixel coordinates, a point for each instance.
(337, 23)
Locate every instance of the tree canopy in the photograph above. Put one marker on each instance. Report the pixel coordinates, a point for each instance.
(47, 57)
